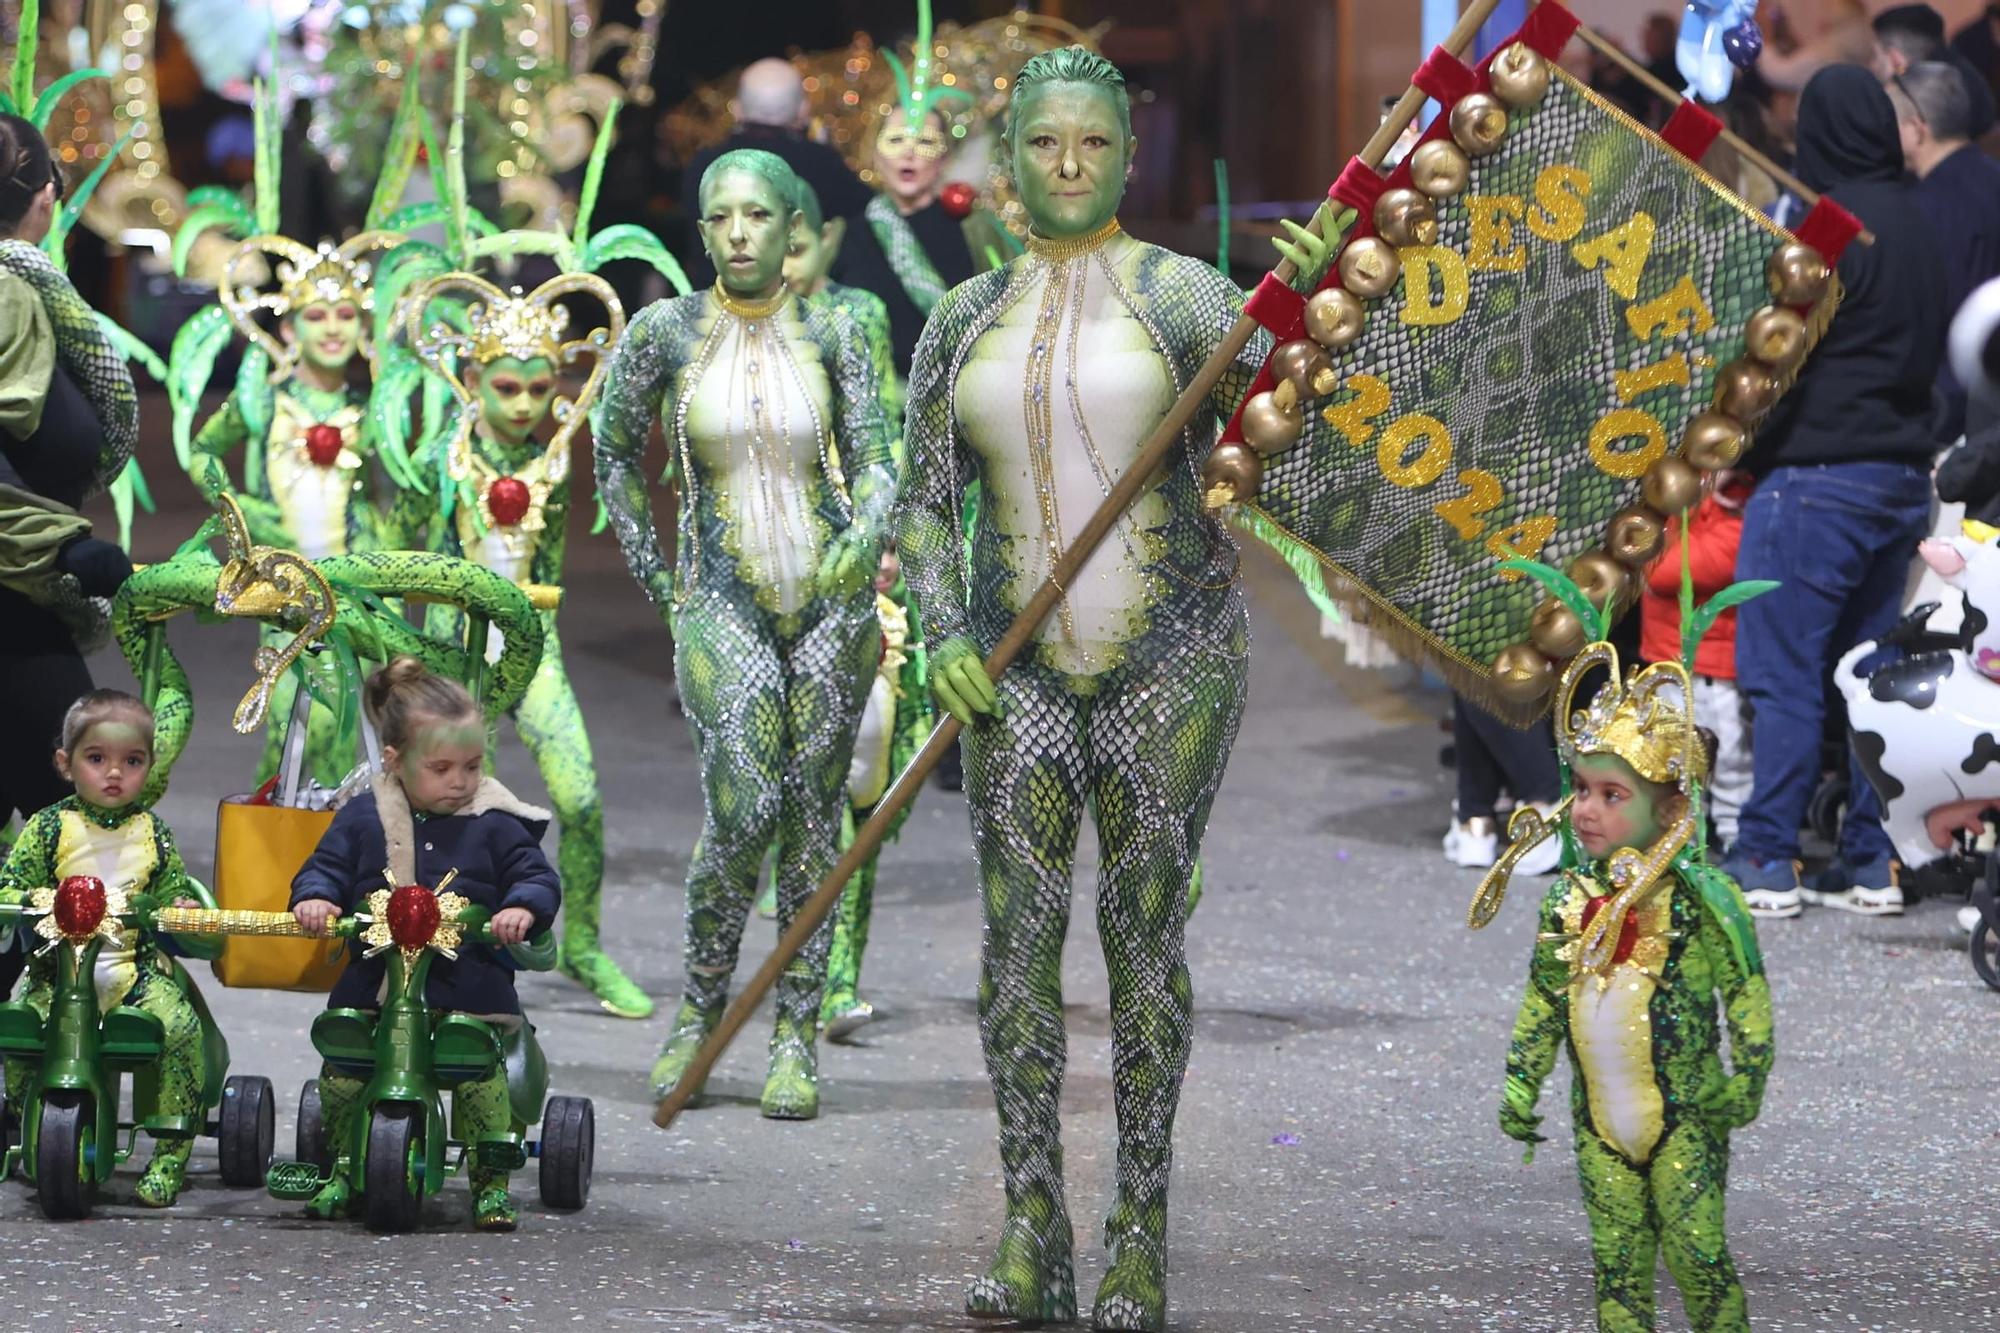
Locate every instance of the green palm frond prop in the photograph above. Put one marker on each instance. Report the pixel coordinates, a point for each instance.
(236, 221)
(914, 88)
(399, 158)
(593, 176)
(268, 131)
(256, 401)
(45, 105)
(190, 362)
(28, 38)
(397, 375)
(72, 210)
(627, 240)
(1703, 619)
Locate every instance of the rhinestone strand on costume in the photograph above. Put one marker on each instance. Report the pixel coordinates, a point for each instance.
(1039, 415)
(750, 353)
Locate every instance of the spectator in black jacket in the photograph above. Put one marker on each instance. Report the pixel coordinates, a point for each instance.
(1843, 497)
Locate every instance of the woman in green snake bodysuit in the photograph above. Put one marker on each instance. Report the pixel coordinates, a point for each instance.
(510, 514)
(1040, 381)
(1636, 944)
(306, 487)
(773, 618)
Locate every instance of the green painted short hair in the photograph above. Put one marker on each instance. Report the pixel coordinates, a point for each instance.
(1070, 64)
(806, 201)
(772, 169)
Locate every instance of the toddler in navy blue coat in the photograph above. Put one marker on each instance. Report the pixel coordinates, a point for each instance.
(434, 811)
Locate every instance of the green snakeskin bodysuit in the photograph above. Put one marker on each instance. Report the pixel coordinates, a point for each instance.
(773, 676)
(1653, 1162)
(1128, 699)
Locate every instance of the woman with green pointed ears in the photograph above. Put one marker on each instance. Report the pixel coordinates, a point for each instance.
(771, 607)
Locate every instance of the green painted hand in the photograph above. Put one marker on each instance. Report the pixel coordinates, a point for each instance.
(848, 565)
(1517, 1115)
(1732, 1103)
(1310, 253)
(959, 681)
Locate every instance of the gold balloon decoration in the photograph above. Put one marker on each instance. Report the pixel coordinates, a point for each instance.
(1406, 217)
(1797, 274)
(1523, 674)
(1601, 578)
(1555, 630)
(1334, 318)
(1713, 441)
(1231, 475)
(1519, 75)
(1479, 123)
(1633, 536)
(1440, 168)
(1369, 267)
(1745, 390)
(1269, 426)
(1671, 485)
(1304, 364)
(1776, 336)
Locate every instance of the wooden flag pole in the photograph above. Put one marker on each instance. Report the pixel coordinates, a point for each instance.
(868, 838)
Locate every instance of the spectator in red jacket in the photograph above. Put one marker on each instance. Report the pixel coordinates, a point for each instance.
(1717, 528)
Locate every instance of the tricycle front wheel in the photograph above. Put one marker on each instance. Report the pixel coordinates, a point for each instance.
(65, 1174)
(248, 1138)
(393, 1191)
(309, 1137)
(569, 1147)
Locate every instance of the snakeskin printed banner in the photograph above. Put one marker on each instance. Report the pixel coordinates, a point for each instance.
(1585, 290)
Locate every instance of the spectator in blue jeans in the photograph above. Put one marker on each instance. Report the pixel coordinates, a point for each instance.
(1843, 498)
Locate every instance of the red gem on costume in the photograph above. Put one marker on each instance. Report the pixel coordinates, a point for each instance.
(1628, 936)
(958, 199)
(79, 905)
(324, 443)
(413, 916)
(507, 500)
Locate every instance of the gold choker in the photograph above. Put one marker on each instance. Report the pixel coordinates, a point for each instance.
(743, 309)
(1056, 251)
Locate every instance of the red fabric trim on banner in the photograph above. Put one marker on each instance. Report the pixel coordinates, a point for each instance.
(1828, 229)
(1359, 186)
(1444, 77)
(1690, 130)
(1548, 29)
(1277, 307)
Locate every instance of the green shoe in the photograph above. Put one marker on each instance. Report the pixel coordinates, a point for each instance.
(791, 1091)
(691, 1028)
(1033, 1277)
(1133, 1296)
(493, 1210)
(331, 1201)
(161, 1184)
(593, 969)
(843, 1015)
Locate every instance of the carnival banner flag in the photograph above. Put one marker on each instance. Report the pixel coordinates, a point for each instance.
(1546, 325)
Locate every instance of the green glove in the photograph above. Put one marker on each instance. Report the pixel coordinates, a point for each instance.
(849, 564)
(1311, 254)
(1517, 1115)
(959, 681)
(1732, 1103)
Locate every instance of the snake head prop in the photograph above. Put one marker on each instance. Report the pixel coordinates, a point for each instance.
(282, 587)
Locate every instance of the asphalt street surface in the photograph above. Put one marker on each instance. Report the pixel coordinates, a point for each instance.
(1338, 1163)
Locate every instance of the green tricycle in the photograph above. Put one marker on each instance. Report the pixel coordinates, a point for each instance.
(72, 1139)
(401, 1149)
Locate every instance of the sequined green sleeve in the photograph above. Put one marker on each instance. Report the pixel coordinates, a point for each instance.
(31, 862)
(1746, 1002)
(221, 435)
(860, 428)
(641, 371)
(1543, 1020)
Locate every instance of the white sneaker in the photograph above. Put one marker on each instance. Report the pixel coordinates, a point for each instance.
(1774, 904)
(1472, 843)
(1544, 856)
(1859, 900)
(1968, 919)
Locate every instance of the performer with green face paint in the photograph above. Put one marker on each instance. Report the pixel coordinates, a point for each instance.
(510, 513)
(1638, 940)
(773, 617)
(1040, 381)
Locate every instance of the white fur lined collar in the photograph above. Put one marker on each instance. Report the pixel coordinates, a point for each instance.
(392, 806)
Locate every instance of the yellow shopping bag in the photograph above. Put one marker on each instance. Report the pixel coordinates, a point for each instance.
(258, 849)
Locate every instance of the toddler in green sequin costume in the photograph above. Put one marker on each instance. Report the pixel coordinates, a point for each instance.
(106, 833)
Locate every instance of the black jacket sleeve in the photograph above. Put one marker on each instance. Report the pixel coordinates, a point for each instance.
(333, 870)
(530, 880)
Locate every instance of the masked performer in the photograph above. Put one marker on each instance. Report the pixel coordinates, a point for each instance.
(1637, 942)
(774, 623)
(510, 509)
(1041, 381)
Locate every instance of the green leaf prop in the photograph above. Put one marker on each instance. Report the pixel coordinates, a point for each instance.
(237, 222)
(399, 157)
(1563, 587)
(257, 402)
(52, 244)
(52, 96)
(593, 176)
(1698, 624)
(190, 362)
(128, 345)
(626, 240)
(28, 38)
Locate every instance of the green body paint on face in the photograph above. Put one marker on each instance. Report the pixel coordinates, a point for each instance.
(441, 768)
(1070, 153)
(514, 397)
(1615, 807)
(328, 333)
(746, 227)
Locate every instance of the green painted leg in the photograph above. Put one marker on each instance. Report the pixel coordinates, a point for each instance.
(339, 1104)
(843, 1011)
(1624, 1239)
(1689, 1175)
(479, 1111)
(180, 1084)
(791, 1090)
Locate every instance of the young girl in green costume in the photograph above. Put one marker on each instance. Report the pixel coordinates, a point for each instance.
(1640, 942)
(773, 618)
(104, 832)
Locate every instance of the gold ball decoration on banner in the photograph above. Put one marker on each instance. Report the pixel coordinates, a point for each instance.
(1304, 364)
(1479, 123)
(1671, 485)
(1334, 318)
(1522, 674)
(1519, 75)
(1797, 274)
(1406, 217)
(1440, 168)
(1713, 441)
(1231, 475)
(1269, 426)
(1745, 390)
(1555, 630)
(1633, 536)
(1776, 336)
(1601, 578)
(1369, 267)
